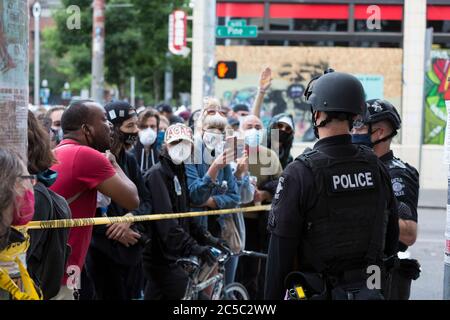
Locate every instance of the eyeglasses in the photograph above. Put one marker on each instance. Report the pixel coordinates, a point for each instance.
(31, 177)
(212, 112)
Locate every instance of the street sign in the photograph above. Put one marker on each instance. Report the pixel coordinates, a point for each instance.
(226, 70)
(178, 33)
(237, 29)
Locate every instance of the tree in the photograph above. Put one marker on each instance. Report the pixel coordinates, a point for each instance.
(135, 44)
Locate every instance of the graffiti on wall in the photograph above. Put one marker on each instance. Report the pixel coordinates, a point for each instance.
(437, 90)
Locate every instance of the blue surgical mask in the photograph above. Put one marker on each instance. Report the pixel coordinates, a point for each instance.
(253, 137)
(363, 139)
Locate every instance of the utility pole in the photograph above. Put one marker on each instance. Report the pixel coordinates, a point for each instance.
(14, 75)
(37, 47)
(132, 91)
(98, 50)
(168, 81)
(203, 51)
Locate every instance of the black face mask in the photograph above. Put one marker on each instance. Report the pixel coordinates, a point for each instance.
(284, 136)
(128, 139)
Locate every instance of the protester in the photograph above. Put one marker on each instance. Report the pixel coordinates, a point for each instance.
(211, 183)
(264, 169)
(55, 114)
(167, 111)
(16, 209)
(284, 123)
(163, 125)
(172, 238)
(193, 118)
(84, 167)
(11, 169)
(145, 150)
(114, 257)
(48, 251)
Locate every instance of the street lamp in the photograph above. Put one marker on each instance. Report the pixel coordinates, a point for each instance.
(36, 15)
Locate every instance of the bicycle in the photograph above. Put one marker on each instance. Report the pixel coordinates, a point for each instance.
(199, 276)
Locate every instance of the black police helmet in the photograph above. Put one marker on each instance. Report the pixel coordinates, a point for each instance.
(337, 92)
(381, 110)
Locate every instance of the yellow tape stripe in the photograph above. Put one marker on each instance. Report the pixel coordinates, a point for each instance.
(71, 223)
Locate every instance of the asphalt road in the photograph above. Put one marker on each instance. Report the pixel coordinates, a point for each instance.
(429, 250)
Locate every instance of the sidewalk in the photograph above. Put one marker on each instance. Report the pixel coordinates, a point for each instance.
(433, 198)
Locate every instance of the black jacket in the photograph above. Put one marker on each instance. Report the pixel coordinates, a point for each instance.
(171, 238)
(129, 165)
(145, 159)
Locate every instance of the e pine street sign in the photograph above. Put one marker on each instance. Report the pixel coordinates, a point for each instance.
(237, 29)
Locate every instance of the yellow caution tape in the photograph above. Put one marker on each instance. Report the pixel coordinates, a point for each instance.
(11, 254)
(83, 222)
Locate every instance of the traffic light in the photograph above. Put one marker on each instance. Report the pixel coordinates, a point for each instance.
(226, 70)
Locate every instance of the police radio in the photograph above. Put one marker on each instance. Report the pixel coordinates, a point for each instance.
(305, 286)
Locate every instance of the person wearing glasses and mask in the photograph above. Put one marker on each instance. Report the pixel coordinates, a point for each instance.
(211, 182)
(16, 210)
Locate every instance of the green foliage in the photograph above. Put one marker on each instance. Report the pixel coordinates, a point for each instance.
(135, 44)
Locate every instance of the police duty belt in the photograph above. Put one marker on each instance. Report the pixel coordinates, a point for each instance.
(83, 222)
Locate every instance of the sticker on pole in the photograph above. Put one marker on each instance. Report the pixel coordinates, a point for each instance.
(178, 33)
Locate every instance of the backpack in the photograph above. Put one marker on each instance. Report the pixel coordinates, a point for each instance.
(47, 259)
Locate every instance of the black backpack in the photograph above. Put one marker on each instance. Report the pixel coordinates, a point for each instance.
(49, 251)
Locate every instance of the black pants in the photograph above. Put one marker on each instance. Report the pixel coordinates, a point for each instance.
(251, 271)
(112, 281)
(165, 282)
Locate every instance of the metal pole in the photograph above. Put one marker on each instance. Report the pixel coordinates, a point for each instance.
(168, 81)
(203, 51)
(98, 50)
(37, 81)
(132, 91)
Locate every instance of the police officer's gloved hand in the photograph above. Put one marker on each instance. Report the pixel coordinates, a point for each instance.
(204, 252)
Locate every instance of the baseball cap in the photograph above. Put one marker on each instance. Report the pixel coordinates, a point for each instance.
(164, 108)
(176, 132)
(119, 111)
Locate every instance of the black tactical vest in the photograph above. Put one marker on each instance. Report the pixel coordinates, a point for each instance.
(346, 227)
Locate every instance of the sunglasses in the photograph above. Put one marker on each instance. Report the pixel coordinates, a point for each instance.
(212, 112)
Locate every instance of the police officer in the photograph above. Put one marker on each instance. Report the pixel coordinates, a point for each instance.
(376, 130)
(334, 212)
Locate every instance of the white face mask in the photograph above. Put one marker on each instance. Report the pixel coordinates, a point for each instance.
(147, 136)
(253, 137)
(212, 140)
(180, 152)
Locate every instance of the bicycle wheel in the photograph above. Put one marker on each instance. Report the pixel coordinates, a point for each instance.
(235, 291)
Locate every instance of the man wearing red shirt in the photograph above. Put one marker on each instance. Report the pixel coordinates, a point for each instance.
(85, 167)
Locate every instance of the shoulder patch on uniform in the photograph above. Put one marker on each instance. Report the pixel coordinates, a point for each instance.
(398, 186)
